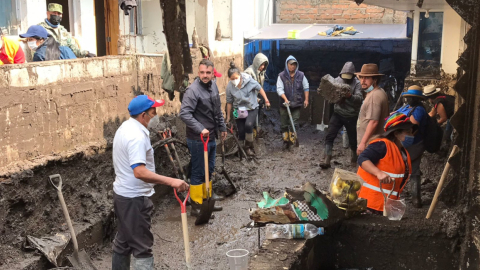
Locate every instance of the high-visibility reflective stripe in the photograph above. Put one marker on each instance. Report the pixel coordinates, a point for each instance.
(394, 175)
(386, 191)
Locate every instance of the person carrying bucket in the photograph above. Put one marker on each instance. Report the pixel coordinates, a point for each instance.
(293, 90)
(242, 92)
(202, 114)
(385, 164)
(135, 177)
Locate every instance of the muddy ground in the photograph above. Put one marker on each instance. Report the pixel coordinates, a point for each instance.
(276, 171)
(34, 211)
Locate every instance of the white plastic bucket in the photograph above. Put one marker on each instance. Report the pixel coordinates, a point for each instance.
(238, 259)
(395, 209)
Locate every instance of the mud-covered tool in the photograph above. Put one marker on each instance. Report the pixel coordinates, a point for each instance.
(208, 204)
(386, 197)
(292, 123)
(164, 136)
(178, 167)
(79, 259)
(224, 171)
(441, 182)
(186, 241)
(240, 148)
(322, 126)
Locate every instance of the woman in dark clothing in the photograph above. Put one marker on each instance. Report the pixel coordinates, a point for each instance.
(443, 108)
(46, 48)
(443, 105)
(385, 164)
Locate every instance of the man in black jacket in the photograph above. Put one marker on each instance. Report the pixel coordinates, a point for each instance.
(202, 114)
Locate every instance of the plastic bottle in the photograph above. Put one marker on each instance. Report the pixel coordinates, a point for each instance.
(289, 231)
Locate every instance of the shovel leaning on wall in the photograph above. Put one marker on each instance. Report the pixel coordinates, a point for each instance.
(79, 259)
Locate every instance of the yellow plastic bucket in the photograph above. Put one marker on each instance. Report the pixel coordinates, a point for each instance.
(293, 34)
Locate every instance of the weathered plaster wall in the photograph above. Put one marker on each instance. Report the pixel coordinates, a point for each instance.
(51, 108)
(335, 12)
(452, 37)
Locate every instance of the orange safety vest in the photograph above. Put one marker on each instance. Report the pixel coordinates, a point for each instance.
(393, 165)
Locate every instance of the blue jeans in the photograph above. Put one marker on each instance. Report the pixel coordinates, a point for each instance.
(198, 163)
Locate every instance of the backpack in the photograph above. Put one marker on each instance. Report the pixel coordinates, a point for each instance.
(432, 138)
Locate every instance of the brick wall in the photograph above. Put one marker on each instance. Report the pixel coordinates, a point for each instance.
(50, 110)
(335, 12)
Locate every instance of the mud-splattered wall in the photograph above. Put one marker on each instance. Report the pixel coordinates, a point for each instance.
(53, 107)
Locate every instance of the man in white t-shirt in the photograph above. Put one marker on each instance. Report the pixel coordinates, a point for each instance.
(135, 178)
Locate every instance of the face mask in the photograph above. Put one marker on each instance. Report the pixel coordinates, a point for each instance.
(368, 90)
(153, 122)
(236, 82)
(32, 45)
(408, 141)
(55, 19)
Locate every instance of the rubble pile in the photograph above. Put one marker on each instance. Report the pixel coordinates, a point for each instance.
(331, 90)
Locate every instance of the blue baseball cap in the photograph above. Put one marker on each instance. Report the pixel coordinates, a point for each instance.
(35, 31)
(142, 103)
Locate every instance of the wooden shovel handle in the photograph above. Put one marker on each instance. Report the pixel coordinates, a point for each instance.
(440, 184)
(186, 241)
(205, 158)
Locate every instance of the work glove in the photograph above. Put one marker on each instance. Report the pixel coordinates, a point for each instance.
(89, 55)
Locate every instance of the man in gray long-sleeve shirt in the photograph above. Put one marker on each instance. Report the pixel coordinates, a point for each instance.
(202, 114)
(345, 114)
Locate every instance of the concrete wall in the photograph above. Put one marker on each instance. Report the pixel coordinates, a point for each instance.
(335, 12)
(50, 108)
(452, 37)
(222, 12)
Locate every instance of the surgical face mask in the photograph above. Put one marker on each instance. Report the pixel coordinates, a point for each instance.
(369, 89)
(153, 121)
(55, 19)
(32, 45)
(236, 82)
(408, 141)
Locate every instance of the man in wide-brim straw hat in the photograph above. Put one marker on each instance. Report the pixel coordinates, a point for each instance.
(374, 109)
(415, 144)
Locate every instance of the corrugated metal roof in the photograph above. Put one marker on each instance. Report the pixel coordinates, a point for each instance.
(310, 31)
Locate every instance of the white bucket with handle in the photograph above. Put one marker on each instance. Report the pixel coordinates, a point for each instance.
(393, 209)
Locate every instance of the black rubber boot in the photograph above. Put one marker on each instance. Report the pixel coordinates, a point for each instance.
(417, 193)
(120, 262)
(327, 157)
(353, 157)
(195, 210)
(217, 197)
(249, 148)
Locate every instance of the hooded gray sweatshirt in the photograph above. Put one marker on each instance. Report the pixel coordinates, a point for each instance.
(350, 107)
(252, 70)
(244, 98)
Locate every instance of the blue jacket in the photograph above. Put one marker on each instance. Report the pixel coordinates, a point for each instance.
(65, 53)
